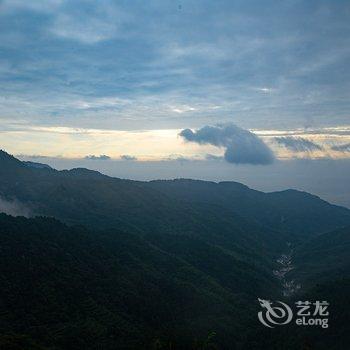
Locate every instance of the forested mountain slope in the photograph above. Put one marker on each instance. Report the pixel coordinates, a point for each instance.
(156, 265)
(323, 258)
(77, 289)
(288, 211)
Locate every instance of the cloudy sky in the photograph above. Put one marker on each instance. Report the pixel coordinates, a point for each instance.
(247, 83)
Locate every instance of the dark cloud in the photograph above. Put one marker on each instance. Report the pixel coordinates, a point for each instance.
(242, 146)
(127, 157)
(342, 148)
(298, 144)
(100, 157)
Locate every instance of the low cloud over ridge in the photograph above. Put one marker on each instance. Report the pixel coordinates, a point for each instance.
(13, 207)
(100, 157)
(127, 157)
(242, 146)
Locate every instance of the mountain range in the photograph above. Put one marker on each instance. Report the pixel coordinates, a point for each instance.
(105, 263)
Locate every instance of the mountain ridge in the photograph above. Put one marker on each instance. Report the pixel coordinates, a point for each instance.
(107, 198)
(110, 262)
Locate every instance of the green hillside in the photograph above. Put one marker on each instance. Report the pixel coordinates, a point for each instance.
(117, 264)
(323, 258)
(73, 288)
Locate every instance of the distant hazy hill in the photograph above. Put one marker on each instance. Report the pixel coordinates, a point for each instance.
(289, 210)
(254, 226)
(81, 196)
(36, 165)
(85, 196)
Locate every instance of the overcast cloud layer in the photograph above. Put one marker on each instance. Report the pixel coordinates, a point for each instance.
(164, 64)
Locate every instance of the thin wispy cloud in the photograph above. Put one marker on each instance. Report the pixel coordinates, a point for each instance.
(342, 148)
(128, 157)
(213, 157)
(298, 144)
(100, 157)
(179, 158)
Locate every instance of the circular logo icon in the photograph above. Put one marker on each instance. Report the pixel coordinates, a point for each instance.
(277, 313)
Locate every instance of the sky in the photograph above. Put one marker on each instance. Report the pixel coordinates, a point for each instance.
(246, 84)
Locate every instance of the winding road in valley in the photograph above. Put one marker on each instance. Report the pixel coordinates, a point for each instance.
(285, 264)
